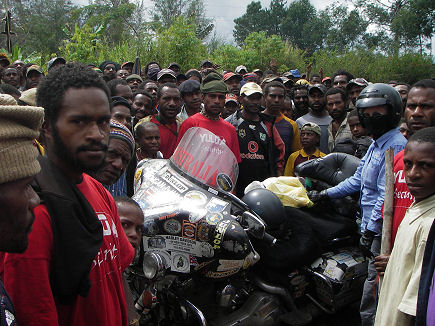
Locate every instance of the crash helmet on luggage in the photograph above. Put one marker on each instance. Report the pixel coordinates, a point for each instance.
(268, 206)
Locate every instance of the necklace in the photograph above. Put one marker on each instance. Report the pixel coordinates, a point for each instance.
(208, 116)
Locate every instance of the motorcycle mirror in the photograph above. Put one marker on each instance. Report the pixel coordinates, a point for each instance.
(256, 226)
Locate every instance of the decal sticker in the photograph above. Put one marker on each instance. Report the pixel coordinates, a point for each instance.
(174, 182)
(180, 262)
(196, 198)
(213, 191)
(216, 205)
(189, 230)
(203, 264)
(172, 242)
(214, 218)
(172, 226)
(193, 261)
(221, 274)
(150, 228)
(164, 217)
(221, 227)
(197, 214)
(226, 265)
(224, 182)
(203, 232)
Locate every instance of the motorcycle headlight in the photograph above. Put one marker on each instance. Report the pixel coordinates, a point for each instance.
(153, 265)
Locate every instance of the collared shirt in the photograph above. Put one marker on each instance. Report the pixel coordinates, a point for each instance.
(398, 298)
(299, 157)
(119, 188)
(369, 178)
(343, 134)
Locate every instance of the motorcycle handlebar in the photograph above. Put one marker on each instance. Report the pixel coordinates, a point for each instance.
(270, 240)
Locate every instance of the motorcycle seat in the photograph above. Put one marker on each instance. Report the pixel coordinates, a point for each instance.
(332, 168)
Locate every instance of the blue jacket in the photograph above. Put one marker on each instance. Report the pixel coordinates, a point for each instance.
(369, 178)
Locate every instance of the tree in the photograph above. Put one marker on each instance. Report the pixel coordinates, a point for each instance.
(38, 24)
(165, 12)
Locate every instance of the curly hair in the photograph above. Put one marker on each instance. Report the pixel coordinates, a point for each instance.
(51, 90)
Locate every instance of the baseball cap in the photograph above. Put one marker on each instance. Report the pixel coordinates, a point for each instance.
(134, 76)
(250, 88)
(54, 60)
(295, 73)
(357, 81)
(34, 68)
(127, 63)
(164, 72)
(205, 61)
(174, 64)
(271, 79)
(229, 75)
(320, 87)
(311, 126)
(240, 68)
(231, 98)
(325, 79)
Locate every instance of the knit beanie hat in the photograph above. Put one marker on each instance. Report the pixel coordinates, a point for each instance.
(6, 99)
(119, 131)
(29, 97)
(213, 83)
(19, 126)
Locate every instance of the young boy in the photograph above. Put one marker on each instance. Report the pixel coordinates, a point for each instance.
(132, 219)
(148, 140)
(310, 139)
(362, 141)
(398, 299)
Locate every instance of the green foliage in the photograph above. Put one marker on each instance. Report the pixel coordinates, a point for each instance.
(84, 45)
(376, 67)
(179, 43)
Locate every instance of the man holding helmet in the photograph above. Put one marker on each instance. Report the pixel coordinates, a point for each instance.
(379, 109)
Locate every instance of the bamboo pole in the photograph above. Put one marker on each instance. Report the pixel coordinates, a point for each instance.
(388, 205)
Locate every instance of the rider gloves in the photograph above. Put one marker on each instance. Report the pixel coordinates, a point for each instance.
(365, 243)
(316, 196)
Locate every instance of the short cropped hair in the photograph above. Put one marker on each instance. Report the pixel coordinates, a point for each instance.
(51, 90)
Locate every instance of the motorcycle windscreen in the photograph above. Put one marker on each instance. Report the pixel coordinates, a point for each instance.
(205, 156)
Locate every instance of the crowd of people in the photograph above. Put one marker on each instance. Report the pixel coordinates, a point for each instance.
(72, 139)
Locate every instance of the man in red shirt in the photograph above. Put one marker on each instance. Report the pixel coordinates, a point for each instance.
(419, 113)
(213, 91)
(71, 273)
(169, 100)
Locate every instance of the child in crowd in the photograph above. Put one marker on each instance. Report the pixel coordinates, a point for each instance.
(132, 219)
(310, 139)
(398, 298)
(148, 141)
(359, 134)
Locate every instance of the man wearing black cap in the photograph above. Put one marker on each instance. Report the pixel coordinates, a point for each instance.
(54, 62)
(206, 64)
(213, 91)
(318, 114)
(233, 82)
(33, 75)
(175, 67)
(354, 88)
(109, 69)
(166, 76)
(191, 95)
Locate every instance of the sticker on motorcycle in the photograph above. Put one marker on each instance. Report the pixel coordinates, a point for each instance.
(221, 227)
(180, 262)
(216, 205)
(203, 232)
(196, 214)
(150, 228)
(212, 274)
(229, 264)
(172, 226)
(189, 230)
(214, 218)
(224, 182)
(195, 198)
(175, 182)
(177, 243)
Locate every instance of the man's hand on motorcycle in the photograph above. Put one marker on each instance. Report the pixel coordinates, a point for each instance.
(381, 262)
(316, 196)
(365, 243)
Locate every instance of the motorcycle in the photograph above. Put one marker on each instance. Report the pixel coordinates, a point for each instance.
(196, 264)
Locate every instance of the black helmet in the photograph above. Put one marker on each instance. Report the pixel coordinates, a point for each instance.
(268, 206)
(381, 94)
